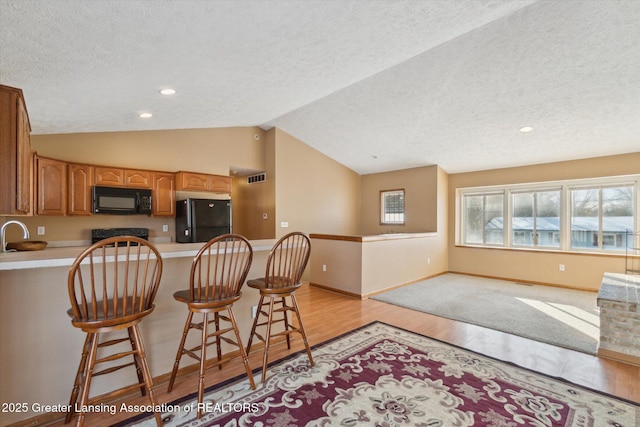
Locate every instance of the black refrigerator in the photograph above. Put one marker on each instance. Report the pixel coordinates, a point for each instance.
(200, 220)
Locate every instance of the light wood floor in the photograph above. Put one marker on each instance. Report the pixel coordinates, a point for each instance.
(327, 314)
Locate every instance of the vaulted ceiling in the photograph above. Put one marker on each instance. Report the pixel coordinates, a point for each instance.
(377, 85)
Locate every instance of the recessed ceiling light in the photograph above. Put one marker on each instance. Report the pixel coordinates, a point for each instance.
(145, 115)
(526, 129)
(167, 91)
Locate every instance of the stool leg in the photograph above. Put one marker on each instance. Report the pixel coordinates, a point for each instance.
(245, 358)
(286, 321)
(145, 372)
(84, 398)
(302, 332)
(203, 359)
(136, 361)
(82, 368)
(265, 358)
(185, 332)
(255, 324)
(218, 347)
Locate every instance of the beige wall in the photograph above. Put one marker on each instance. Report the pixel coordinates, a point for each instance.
(420, 186)
(583, 271)
(364, 268)
(251, 202)
(212, 151)
(313, 193)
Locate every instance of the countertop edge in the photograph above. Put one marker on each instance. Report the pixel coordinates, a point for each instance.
(65, 256)
(372, 238)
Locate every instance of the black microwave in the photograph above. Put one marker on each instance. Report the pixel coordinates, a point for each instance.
(121, 201)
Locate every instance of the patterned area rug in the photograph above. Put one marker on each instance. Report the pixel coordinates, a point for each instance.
(383, 376)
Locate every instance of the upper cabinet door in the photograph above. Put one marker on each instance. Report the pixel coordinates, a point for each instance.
(25, 159)
(164, 194)
(51, 187)
(80, 195)
(16, 164)
(138, 179)
(191, 181)
(220, 184)
(107, 176)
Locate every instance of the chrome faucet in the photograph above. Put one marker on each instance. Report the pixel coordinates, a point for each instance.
(3, 236)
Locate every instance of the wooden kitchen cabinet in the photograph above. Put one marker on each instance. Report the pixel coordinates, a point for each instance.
(138, 178)
(220, 184)
(51, 186)
(163, 195)
(193, 181)
(108, 176)
(16, 159)
(80, 182)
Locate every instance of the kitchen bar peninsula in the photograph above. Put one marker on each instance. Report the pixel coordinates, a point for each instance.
(362, 266)
(39, 348)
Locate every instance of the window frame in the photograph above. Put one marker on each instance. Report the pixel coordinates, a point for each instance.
(383, 193)
(565, 187)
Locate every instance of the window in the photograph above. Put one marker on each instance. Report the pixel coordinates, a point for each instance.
(578, 215)
(483, 218)
(392, 207)
(600, 216)
(535, 218)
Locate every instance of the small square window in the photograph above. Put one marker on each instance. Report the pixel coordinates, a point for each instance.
(392, 207)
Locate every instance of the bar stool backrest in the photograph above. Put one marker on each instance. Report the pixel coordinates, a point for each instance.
(287, 261)
(220, 268)
(114, 281)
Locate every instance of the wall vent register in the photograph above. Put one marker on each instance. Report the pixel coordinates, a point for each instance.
(253, 179)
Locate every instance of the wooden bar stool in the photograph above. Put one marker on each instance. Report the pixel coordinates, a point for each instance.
(217, 274)
(112, 289)
(285, 266)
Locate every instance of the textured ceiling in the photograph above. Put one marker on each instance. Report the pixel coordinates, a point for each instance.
(376, 85)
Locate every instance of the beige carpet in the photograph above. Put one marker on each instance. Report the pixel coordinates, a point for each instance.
(562, 317)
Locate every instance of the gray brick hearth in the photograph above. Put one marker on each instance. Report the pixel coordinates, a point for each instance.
(619, 302)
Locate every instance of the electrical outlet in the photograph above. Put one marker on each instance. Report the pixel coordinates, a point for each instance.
(265, 216)
(428, 260)
(561, 266)
(254, 311)
(324, 267)
(40, 230)
(165, 227)
(284, 224)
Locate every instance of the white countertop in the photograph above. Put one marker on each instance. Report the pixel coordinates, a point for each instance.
(65, 256)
